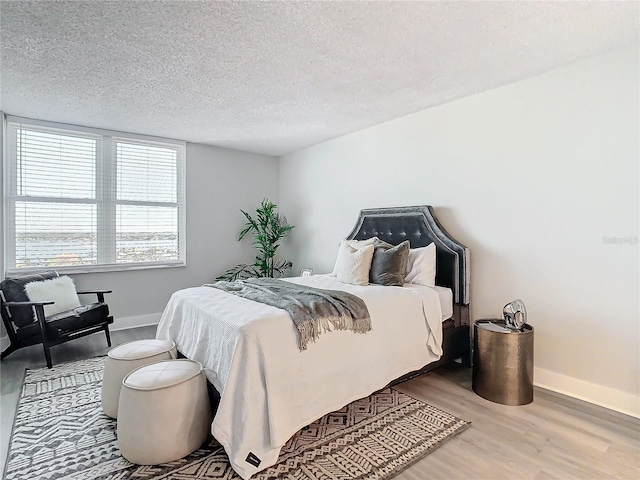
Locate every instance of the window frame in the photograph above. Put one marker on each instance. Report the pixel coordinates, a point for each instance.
(106, 196)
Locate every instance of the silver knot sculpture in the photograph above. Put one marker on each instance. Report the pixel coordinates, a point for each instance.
(515, 314)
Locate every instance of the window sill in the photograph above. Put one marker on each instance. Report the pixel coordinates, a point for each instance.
(80, 269)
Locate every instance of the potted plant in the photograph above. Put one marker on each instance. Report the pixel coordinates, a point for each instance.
(268, 228)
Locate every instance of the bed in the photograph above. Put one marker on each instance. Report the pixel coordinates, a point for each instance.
(269, 388)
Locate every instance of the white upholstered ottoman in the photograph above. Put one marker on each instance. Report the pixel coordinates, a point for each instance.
(164, 412)
(123, 360)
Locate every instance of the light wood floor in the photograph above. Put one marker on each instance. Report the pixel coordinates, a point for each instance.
(555, 437)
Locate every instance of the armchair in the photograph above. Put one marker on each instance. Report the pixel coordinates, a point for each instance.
(27, 325)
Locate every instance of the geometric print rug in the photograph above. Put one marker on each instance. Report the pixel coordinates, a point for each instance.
(60, 432)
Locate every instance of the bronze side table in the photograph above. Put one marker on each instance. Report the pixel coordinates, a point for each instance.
(503, 362)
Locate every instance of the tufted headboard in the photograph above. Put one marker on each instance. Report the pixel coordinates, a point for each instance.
(420, 226)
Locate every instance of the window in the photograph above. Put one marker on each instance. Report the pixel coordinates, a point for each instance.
(80, 199)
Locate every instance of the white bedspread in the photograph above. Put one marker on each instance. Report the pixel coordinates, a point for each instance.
(269, 388)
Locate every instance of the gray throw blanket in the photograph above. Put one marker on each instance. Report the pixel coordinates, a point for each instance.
(312, 310)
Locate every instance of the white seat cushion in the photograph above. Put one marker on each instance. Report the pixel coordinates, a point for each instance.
(124, 359)
(162, 374)
(141, 349)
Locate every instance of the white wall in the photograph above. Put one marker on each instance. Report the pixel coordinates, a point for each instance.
(219, 183)
(531, 177)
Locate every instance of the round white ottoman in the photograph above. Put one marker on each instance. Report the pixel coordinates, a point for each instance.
(164, 412)
(123, 360)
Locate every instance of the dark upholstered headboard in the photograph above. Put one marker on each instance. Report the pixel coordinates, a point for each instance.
(420, 226)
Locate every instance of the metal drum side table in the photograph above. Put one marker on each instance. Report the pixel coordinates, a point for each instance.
(503, 362)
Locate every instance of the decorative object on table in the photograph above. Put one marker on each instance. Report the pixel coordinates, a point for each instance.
(69, 395)
(306, 272)
(268, 229)
(503, 362)
(515, 314)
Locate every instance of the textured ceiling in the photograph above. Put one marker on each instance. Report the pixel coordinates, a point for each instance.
(273, 77)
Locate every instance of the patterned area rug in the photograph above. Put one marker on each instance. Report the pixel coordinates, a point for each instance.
(60, 432)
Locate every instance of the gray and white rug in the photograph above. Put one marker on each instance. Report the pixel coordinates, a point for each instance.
(60, 432)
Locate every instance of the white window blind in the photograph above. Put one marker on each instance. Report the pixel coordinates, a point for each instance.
(86, 200)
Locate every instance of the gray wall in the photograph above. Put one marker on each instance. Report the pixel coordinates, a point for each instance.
(534, 177)
(219, 183)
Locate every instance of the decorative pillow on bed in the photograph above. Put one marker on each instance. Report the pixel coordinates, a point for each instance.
(356, 244)
(421, 269)
(389, 264)
(60, 290)
(353, 264)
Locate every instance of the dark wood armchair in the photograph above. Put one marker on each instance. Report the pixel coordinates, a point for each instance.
(27, 325)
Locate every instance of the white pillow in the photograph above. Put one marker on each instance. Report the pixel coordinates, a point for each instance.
(356, 244)
(421, 269)
(60, 290)
(353, 264)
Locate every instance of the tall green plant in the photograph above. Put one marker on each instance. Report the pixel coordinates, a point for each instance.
(268, 229)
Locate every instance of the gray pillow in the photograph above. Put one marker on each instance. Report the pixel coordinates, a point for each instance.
(389, 264)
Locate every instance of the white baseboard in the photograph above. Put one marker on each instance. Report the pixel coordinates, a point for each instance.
(607, 397)
(123, 323)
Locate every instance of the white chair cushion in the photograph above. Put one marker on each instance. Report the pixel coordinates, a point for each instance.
(60, 290)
